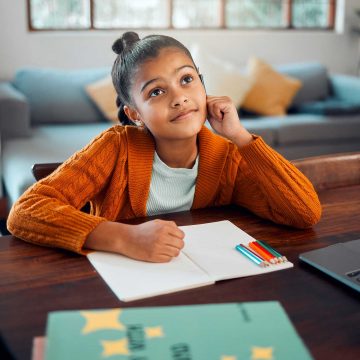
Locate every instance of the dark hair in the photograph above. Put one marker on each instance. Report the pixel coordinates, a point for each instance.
(132, 52)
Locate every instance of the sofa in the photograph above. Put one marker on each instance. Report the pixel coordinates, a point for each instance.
(45, 116)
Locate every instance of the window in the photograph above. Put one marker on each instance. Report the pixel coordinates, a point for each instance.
(53, 14)
(196, 14)
(110, 14)
(255, 14)
(180, 14)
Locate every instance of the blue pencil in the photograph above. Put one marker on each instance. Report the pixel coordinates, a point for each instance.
(250, 255)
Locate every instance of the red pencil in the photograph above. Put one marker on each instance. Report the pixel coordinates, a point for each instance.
(266, 263)
(263, 252)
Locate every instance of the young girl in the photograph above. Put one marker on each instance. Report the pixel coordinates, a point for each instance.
(165, 160)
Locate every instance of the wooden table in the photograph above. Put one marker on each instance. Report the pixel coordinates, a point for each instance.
(35, 280)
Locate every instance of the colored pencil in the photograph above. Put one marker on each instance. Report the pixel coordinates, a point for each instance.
(250, 255)
(263, 252)
(256, 254)
(272, 250)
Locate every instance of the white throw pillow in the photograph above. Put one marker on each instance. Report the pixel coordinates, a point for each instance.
(221, 78)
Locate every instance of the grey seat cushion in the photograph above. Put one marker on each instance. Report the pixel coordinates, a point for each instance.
(48, 143)
(305, 128)
(58, 96)
(262, 127)
(308, 128)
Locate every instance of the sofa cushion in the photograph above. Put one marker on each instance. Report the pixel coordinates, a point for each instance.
(307, 149)
(305, 128)
(345, 87)
(221, 78)
(271, 92)
(262, 127)
(102, 92)
(14, 113)
(58, 96)
(314, 79)
(48, 143)
(330, 106)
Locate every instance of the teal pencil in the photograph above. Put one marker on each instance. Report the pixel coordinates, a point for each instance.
(250, 255)
(273, 251)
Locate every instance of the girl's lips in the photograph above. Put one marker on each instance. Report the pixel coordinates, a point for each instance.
(183, 115)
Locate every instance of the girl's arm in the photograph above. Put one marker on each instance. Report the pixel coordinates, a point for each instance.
(266, 183)
(271, 187)
(48, 213)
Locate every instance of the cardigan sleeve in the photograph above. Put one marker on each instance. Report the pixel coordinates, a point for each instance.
(271, 187)
(48, 213)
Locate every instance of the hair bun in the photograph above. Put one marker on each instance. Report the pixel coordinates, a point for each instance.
(126, 41)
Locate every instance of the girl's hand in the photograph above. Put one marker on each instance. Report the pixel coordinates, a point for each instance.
(154, 241)
(224, 119)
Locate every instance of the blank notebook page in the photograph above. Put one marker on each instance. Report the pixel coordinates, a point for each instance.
(212, 247)
(131, 279)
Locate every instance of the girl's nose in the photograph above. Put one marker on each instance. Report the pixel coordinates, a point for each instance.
(179, 99)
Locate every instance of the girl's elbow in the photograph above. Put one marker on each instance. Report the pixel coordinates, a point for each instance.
(13, 221)
(309, 218)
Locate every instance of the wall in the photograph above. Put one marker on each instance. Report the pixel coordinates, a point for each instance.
(338, 50)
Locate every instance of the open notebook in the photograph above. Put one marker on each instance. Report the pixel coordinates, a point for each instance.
(208, 256)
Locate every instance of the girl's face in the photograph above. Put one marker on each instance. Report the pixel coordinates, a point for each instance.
(169, 96)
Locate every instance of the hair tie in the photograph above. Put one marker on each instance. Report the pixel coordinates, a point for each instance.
(118, 101)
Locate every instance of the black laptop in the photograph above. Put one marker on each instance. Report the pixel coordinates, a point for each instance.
(341, 261)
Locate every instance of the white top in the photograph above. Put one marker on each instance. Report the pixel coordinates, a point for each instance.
(171, 189)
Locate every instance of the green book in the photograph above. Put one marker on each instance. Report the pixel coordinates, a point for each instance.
(230, 331)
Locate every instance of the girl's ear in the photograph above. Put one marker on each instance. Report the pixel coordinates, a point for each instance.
(201, 77)
(131, 113)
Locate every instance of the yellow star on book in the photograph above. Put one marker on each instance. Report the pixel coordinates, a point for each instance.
(262, 353)
(100, 320)
(115, 347)
(228, 357)
(156, 331)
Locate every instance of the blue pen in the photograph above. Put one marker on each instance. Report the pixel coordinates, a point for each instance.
(258, 261)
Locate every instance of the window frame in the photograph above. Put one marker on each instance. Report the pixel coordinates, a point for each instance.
(331, 21)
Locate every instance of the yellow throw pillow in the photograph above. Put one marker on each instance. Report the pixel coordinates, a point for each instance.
(271, 92)
(103, 93)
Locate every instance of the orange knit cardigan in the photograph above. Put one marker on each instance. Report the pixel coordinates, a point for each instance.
(113, 172)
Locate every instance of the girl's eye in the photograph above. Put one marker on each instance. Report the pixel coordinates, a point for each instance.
(187, 79)
(156, 92)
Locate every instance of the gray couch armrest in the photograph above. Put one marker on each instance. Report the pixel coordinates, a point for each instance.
(14, 112)
(345, 87)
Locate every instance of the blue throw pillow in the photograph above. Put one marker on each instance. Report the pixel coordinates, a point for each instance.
(58, 96)
(314, 79)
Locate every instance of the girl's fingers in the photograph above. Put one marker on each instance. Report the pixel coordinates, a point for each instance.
(170, 251)
(162, 259)
(218, 106)
(175, 242)
(176, 232)
(215, 110)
